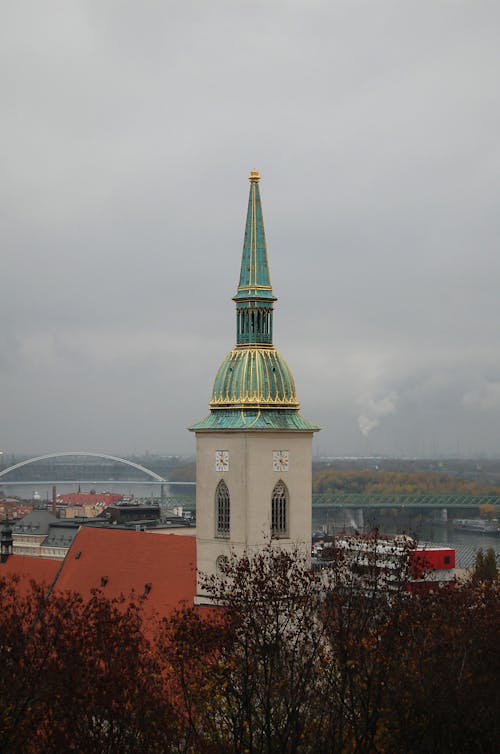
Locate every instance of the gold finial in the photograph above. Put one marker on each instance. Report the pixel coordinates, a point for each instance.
(254, 176)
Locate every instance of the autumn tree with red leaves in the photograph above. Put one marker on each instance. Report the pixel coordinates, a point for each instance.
(286, 660)
(247, 670)
(292, 661)
(327, 663)
(78, 676)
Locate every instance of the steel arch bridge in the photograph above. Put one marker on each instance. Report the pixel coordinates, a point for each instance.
(153, 479)
(79, 453)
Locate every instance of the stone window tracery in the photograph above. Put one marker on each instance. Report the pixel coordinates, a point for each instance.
(279, 510)
(222, 510)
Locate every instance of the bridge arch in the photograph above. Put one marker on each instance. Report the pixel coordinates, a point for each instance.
(137, 466)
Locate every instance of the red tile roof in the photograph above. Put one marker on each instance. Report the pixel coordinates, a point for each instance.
(41, 570)
(118, 562)
(86, 498)
(14, 509)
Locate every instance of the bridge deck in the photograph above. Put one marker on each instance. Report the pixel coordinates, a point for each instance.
(359, 500)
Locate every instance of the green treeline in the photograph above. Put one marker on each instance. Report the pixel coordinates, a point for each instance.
(393, 482)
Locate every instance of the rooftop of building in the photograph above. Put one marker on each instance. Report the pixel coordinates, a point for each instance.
(161, 567)
(88, 498)
(35, 523)
(61, 534)
(39, 570)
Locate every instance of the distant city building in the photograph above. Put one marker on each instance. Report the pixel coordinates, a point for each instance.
(30, 532)
(384, 560)
(85, 504)
(41, 535)
(101, 499)
(12, 509)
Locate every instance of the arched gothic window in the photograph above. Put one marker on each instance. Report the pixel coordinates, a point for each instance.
(279, 510)
(222, 510)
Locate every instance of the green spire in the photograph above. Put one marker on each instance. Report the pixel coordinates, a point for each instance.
(254, 388)
(254, 298)
(255, 281)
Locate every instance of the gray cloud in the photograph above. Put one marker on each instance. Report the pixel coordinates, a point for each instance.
(128, 130)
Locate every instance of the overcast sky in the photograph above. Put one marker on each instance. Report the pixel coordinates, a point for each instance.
(128, 129)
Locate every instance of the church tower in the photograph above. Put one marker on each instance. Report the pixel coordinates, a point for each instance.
(254, 450)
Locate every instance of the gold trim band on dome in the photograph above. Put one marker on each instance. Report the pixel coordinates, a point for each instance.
(255, 287)
(264, 347)
(254, 346)
(256, 401)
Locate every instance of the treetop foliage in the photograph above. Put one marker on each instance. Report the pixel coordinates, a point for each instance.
(485, 566)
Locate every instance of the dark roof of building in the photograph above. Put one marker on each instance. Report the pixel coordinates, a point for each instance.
(36, 522)
(61, 534)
